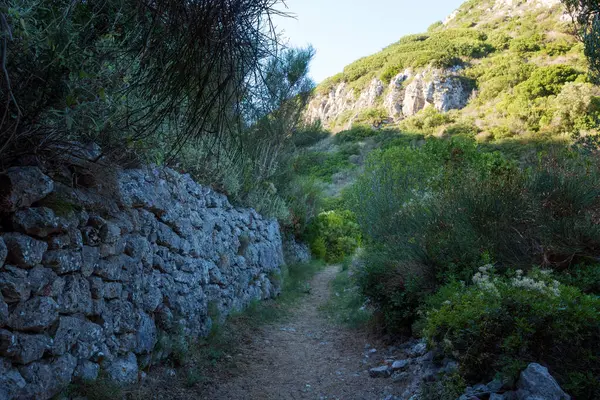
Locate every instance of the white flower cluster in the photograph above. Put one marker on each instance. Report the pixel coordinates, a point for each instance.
(483, 280)
(528, 283)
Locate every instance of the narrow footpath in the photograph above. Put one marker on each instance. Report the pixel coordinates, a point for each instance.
(307, 356)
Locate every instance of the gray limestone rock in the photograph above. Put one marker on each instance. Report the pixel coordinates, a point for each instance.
(123, 316)
(400, 365)
(63, 261)
(295, 252)
(15, 285)
(79, 336)
(90, 257)
(11, 380)
(110, 268)
(23, 348)
(86, 371)
(76, 296)
(419, 349)
(36, 221)
(407, 93)
(3, 252)
(138, 248)
(152, 299)
(23, 186)
(112, 290)
(96, 287)
(3, 311)
(537, 381)
(24, 251)
(41, 280)
(66, 335)
(495, 385)
(45, 379)
(34, 315)
(123, 370)
(146, 334)
(380, 372)
(109, 233)
(70, 240)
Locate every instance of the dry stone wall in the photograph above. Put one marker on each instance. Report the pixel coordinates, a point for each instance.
(92, 281)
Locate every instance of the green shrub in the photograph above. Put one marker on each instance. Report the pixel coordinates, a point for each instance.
(389, 72)
(435, 213)
(357, 133)
(426, 120)
(449, 387)
(304, 199)
(501, 132)
(499, 74)
(558, 48)
(318, 248)
(330, 83)
(395, 287)
(320, 164)
(349, 149)
(395, 138)
(547, 81)
(500, 40)
(372, 116)
(461, 128)
(502, 324)
(434, 26)
(530, 107)
(526, 44)
(309, 135)
(585, 277)
(576, 108)
(334, 235)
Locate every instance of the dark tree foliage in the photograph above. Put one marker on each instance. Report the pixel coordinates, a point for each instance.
(586, 15)
(119, 71)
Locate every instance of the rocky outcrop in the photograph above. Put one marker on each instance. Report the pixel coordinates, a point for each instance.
(407, 93)
(413, 365)
(90, 282)
(535, 383)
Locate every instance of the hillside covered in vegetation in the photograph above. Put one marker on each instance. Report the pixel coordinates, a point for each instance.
(503, 69)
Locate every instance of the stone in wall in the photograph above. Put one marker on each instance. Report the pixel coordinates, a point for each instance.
(92, 284)
(295, 252)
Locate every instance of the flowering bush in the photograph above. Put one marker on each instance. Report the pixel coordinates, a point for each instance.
(500, 324)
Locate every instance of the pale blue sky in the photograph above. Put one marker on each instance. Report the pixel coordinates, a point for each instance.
(344, 30)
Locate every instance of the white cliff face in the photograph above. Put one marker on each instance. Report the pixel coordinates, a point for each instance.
(411, 92)
(408, 93)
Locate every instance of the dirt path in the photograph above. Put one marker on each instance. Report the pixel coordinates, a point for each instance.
(306, 356)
